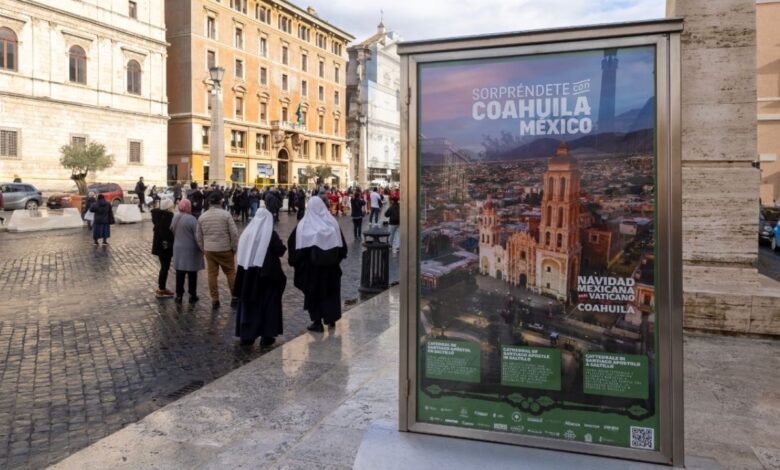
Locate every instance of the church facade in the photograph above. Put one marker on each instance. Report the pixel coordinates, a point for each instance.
(547, 262)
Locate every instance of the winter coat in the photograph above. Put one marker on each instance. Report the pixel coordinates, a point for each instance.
(103, 213)
(393, 213)
(162, 240)
(187, 256)
(357, 205)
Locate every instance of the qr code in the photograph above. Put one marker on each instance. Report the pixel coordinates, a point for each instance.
(642, 438)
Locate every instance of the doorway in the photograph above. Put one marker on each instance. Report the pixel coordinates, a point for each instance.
(284, 167)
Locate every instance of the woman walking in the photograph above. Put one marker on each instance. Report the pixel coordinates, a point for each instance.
(260, 281)
(104, 219)
(317, 247)
(187, 257)
(357, 206)
(162, 244)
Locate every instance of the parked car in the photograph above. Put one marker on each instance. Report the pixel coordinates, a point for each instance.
(20, 196)
(767, 221)
(775, 242)
(112, 192)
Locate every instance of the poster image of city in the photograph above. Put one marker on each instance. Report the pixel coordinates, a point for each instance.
(536, 215)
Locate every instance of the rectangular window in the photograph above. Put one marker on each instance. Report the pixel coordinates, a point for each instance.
(211, 59)
(211, 27)
(132, 9)
(305, 150)
(321, 93)
(303, 32)
(304, 62)
(263, 112)
(239, 107)
(285, 55)
(263, 47)
(284, 82)
(9, 143)
(285, 24)
(263, 76)
(320, 123)
(239, 68)
(336, 98)
(239, 43)
(320, 150)
(284, 113)
(322, 69)
(304, 88)
(303, 118)
(336, 48)
(262, 14)
(204, 136)
(78, 140)
(335, 126)
(261, 142)
(335, 152)
(336, 74)
(322, 41)
(237, 139)
(134, 154)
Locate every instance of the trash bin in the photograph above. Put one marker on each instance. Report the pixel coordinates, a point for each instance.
(375, 263)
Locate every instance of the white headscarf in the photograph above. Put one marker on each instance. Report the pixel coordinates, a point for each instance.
(253, 244)
(317, 227)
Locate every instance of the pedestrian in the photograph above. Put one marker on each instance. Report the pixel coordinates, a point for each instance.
(187, 255)
(218, 239)
(376, 207)
(254, 202)
(273, 204)
(300, 204)
(291, 195)
(260, 282)
(154, 195)
(177, 190)
(316, 248)
(90, 215)
(196, 199)
(393, 213)
(104, 219)
(140, 190)
(243, 205)
(357, 204)
(162, 244)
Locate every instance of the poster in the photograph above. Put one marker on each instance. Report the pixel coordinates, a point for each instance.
(537, 246)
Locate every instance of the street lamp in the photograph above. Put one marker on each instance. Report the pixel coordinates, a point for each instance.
(217, 141)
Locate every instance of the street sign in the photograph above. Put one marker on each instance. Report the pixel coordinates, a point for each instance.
(541, 235)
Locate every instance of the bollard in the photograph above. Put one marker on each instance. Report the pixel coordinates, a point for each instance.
(375, 262)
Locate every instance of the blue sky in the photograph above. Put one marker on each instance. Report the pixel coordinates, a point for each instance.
(429, 19)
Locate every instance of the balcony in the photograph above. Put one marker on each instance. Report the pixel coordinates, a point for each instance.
(287, 126)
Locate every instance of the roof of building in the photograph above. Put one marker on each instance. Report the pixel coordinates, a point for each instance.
(311, 15)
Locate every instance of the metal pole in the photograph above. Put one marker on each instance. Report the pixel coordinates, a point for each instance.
(217, 144)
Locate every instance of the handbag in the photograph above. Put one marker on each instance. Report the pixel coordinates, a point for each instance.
(322, 258)
(89, 216)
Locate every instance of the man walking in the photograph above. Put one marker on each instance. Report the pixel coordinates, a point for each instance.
(376, 207)
(140, 189)
(218, 239)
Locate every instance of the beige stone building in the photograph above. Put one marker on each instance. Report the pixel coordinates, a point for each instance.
(77, 70)
(768, 97)
(284, 90)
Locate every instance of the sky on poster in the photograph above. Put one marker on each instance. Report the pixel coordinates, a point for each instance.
(447, 101)
(429, 19)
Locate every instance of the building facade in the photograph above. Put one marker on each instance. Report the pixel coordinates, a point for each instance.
(284, 91)
(374, 114)
(768, 98)
(547, 260)
(73, 71)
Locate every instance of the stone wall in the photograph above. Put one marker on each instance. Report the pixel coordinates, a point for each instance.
(722, 288)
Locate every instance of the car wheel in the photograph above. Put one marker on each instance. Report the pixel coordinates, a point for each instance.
(115, 203)
(31, 205)
(773, 243)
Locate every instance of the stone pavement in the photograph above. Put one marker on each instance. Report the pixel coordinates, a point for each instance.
(308, 404)
(86, 349)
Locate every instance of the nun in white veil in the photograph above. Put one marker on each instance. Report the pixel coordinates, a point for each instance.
(317, 247)
(260, 281)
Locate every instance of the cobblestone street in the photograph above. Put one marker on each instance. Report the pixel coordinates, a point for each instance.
(86, 348)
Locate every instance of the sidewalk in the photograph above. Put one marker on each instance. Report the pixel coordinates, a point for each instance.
(308, 404)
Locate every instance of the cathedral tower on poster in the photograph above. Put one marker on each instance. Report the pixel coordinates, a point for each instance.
(548, 262)
(609, 66)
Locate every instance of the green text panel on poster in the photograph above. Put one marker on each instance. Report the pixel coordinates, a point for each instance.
(616, 375)
(538, 368)
(453, 360)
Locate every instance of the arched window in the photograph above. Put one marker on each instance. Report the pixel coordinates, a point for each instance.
(134, 77)
(547, 239)
(77, 65)
(559, 242)
(560, 217)
(8, 50)
(563, 188)
(549, 216)
(551, 187)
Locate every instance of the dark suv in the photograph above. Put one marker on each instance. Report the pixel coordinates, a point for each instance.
(20, 196)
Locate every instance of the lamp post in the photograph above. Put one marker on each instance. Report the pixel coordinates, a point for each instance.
(217, 140)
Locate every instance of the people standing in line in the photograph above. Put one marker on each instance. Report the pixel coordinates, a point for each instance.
(218, 239)
(140, 191)
(243, 205)
(316, 248)
(260, 282)
(273, 204)
(291, 195)
(376, 207)
(196, 199)
(393, 213)
(254, 202)
(104, 219)
(162, 244)
(300, 204)
(357, 205)
(187, 255)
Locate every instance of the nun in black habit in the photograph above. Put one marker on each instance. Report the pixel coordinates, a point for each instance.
(260, 281)
(317, 247)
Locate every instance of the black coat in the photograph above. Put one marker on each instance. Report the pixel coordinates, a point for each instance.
(321, 285)
(162, 240)
(357, 205)
(393, 213)
(139, 189)
(103, 213)
(259, 291)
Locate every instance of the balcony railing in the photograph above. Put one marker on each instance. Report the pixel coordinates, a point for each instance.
(287, 126)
